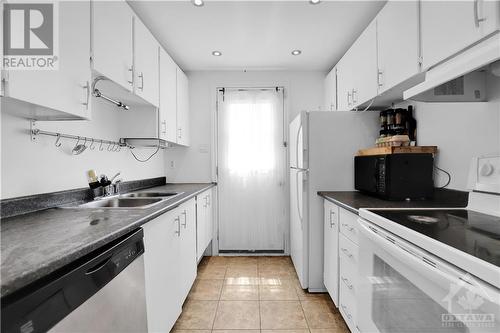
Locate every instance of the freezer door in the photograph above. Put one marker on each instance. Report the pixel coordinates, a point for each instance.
(298, 142)
(298, 227)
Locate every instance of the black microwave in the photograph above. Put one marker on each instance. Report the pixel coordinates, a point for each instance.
(395, 176)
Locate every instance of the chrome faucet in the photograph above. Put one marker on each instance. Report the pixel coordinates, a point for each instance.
(112, 186)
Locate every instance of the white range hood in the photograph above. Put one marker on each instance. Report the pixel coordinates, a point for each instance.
(472, 59)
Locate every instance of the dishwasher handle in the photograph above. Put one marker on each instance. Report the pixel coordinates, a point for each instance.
(44, 303)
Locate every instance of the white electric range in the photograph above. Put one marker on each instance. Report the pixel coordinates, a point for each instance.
(433, 270)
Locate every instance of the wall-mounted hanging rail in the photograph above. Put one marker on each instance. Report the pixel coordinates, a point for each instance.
(82, 143)
(97, 93)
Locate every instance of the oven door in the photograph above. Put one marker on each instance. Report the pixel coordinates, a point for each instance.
(403, 288)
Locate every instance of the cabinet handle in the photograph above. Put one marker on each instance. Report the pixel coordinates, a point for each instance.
(331, 220)
(379, 78)
(131, 81)
(477, 20)
(346, 252)
(208, 200)
(141, 76)
(164, 124)
(185, 219)
(178, 231)
(87, 88)
(180, 133)
(348, 227)
(348, 98)
(347, 312)
(354, 93)
(347, 282)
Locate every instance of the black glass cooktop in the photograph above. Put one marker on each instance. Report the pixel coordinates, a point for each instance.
(472, 232)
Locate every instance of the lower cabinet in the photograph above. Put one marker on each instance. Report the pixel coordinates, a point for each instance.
(204, 225)
(341, 260)
(170, 264)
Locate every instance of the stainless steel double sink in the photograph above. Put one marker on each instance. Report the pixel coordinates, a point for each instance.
(134, 200)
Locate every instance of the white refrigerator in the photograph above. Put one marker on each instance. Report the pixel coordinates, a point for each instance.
(322, 149)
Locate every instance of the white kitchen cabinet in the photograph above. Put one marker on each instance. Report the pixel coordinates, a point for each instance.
(182, 108)
(168, 98)
(187, 272)
(448, 27)
(364, 66)
(330, 103)
(204, 222)
(146, 69)
(345, 82)
(162, 262)
(112, 47)
(331, 252)
(397, 43)
(65, 92)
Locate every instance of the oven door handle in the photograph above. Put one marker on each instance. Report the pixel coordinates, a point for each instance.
(432, 267)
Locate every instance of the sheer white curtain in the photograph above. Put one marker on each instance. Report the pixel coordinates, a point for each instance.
(251, 160)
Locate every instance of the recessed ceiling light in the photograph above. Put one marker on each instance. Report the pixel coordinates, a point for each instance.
(296, 52)
(216, 53)
(314, 2)
(198, 3)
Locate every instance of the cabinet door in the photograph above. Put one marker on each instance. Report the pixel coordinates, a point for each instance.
(344, 83)
(331, 90)
(182, 108)
(145, 63)
(364, 70)
(208, 218)
(162, 267)
(450, 26)
(187, 214)
(168, 98)
(398, 43)
(201, 225)
(331, 266)
(112, 41)
(68, 88)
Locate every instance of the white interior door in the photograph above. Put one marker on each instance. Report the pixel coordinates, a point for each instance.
(251, 170)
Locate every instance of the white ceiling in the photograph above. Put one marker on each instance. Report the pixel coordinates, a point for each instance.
(256, 34)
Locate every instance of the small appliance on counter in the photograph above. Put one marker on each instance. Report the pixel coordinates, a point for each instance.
(395, 176)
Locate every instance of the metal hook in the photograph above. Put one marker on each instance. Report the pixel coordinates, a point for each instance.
(85, 142)
(77, 141)
(92, 147)
(100, 147)
(119, 148)
(58, 144)
(109, 147)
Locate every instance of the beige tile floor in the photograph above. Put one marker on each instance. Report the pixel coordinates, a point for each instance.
(255, 294)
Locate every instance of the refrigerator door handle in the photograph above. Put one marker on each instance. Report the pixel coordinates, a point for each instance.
(297, 146)
(297, 195)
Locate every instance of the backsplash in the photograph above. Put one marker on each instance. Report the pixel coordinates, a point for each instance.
(39, 167)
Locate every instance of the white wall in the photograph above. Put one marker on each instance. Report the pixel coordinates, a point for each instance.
(38, 167)
(461, 131)
(303, 91)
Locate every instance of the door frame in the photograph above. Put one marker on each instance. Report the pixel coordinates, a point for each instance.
(215, 159)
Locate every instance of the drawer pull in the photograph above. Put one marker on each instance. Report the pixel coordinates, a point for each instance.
(348, 227)
(346, 252)
(346, 281)
(332, 213)
(347, 312)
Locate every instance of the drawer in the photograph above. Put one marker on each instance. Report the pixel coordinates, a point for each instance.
(349, 224)
(348, 274)
(348, 251)
(348, 307)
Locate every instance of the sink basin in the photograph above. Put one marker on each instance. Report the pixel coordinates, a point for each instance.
(150, 194)
(122, 203)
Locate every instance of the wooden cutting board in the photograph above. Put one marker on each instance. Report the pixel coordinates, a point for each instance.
(398, 150)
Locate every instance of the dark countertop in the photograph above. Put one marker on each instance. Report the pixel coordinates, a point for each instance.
(354, 200)
(36, 244)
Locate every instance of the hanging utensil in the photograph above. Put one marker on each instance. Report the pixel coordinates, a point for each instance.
(79, 148)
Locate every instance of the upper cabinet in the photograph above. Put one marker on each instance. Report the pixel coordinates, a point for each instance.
(182, 108)
(397, 43)
(124, 50)
(168, 98)
(63, 93)
(145, 63)
(330, 103)
(112, 51)
(357, 71)
(446, 31)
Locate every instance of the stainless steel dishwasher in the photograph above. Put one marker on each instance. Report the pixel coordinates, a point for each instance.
(102, 292)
